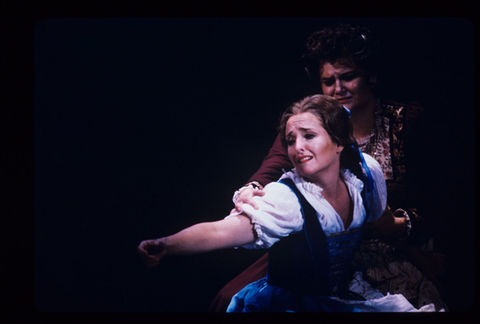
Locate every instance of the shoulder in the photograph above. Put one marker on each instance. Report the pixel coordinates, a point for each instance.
(372, 164)
(374, 168)
(378, 198)
(279, 193)
(283, 191)
(391, 105)
(411, 111)
(411, 114)
(377, 174)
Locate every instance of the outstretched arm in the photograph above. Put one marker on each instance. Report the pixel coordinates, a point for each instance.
(204, 237)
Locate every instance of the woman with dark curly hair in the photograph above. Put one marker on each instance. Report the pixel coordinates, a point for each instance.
(344, 60)
(311, 220)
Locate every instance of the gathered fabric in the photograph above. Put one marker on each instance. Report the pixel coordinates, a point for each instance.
(311, 271)
(386, 269)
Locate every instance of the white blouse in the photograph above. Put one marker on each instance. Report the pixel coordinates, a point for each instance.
(279, 213)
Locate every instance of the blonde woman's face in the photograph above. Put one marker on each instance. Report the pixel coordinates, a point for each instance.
(310, 147)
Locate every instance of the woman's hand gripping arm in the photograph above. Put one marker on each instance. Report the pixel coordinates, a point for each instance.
(245, 196)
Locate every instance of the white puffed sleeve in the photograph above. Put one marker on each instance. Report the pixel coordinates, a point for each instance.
(278, 215)
(380, 193)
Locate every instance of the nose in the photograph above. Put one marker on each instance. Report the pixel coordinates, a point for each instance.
(299, 147)
(338, 86)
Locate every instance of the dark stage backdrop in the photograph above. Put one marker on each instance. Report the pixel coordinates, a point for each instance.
(144, 126)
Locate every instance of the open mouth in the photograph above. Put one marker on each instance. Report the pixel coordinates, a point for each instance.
(305, 159)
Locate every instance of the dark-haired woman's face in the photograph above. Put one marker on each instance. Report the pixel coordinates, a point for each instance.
(347, 85)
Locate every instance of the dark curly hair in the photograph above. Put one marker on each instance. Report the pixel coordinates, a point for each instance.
(347, 45)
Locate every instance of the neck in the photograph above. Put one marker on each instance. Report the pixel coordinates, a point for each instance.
(363, 119)
(330, 183)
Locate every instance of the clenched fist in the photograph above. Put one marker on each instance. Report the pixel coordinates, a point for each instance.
(152, 251)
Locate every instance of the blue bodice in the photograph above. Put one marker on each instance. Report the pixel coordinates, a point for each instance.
(309, 262)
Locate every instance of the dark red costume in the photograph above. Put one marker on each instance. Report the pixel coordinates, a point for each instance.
(401, 124)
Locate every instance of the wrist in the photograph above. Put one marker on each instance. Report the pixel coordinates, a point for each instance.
(407, 222)
(164, 245)
(254, 185)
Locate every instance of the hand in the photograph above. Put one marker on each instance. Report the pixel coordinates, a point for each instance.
(152, 251)
(246, 197)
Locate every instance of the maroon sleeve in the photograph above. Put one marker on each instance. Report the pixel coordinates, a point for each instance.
(273, 164)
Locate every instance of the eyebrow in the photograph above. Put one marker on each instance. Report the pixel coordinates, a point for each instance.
(341, 74)
(301, 129)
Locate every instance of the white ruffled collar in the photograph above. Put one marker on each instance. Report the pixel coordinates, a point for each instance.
(312, 188)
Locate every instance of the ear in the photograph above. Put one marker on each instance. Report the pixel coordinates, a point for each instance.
(339, 149)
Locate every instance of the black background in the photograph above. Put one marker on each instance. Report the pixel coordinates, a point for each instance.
(144, 126)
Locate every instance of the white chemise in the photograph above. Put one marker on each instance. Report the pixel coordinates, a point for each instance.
(279, 213)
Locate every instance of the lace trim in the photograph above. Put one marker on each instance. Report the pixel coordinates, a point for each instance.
(257, 228)
(257, 231)
(364, 140)
(351, 178)
(316, 190)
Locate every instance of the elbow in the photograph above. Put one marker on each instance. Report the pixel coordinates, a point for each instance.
(238, 232)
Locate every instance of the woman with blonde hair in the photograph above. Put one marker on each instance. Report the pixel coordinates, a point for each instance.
(311, 221)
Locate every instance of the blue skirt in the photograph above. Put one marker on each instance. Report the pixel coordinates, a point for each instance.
(259, 296)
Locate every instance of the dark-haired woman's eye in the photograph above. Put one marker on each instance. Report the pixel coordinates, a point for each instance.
(349, 76)
(328, 82)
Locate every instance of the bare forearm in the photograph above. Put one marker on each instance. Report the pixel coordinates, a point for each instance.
(399, 227)
(205, 237)
(192, 240)
(389, 226)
